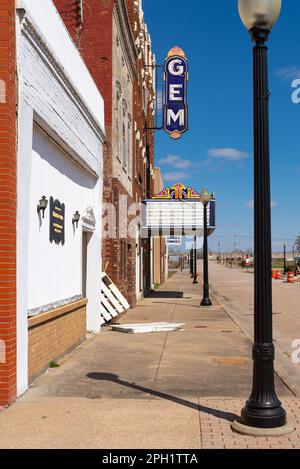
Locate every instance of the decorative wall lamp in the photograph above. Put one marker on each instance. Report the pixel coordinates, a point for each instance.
(76, 219)
(42, 206)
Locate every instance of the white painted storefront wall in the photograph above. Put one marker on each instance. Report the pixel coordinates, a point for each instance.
(60, 154)
(54, 271)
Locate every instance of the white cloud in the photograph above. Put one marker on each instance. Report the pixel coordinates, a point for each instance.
(178, 176)
(176, 162)
(229, 154)
(250, 204)
(288, 73)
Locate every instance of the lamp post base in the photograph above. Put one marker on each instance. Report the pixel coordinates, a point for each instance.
(206, 302)
(264, 417)
(241, 429)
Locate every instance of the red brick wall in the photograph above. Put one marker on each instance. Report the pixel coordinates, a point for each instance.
(8, 203)
(125, 278)
(94, 41)
(144, 120)
(70, 12)
(143, 185)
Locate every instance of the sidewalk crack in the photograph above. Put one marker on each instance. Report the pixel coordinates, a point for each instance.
(200, 425)
(164, 346)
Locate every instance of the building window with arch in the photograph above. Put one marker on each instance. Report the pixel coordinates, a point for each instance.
(117, 111)
(125, 134)
(137, 156)
(129, 138)
(124, 147)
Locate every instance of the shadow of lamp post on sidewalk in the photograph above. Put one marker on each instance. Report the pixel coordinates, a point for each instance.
(220, 414)
(263, 410)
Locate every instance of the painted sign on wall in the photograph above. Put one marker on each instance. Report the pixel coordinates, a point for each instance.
(175, 105)
(57, 222)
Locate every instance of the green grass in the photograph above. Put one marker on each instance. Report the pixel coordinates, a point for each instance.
(279, 265)
(157, 286)
(53, 365)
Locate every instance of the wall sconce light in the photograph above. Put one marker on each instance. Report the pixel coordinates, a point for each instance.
(43, 204)
(76, 218)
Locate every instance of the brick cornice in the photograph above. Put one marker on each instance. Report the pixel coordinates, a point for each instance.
(121, 15)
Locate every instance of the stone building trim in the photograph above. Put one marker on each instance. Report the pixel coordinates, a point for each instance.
(121, 15)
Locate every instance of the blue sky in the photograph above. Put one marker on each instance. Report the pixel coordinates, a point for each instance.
(217, 151)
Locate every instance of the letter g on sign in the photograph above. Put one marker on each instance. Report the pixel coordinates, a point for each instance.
(174, 69)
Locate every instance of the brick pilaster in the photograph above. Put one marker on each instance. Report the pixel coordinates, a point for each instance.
(7, 202)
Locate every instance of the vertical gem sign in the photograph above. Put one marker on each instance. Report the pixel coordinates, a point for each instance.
(175, 106)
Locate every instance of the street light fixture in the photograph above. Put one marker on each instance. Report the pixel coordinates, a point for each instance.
(263, 409)
(205, 198)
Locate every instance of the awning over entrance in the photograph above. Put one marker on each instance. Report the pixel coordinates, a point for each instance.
(177, 210)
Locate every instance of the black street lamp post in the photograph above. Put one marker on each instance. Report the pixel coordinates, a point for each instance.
(191, 263)
(195, 262)
(205, 199)
(284, 258)
(263, 409)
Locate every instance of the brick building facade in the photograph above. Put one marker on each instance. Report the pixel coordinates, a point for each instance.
(7, 203)
(113, 40)
(51, 168)
(144, 109)
(114, 43)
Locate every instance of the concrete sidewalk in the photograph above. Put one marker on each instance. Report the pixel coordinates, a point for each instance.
(233, 289)
(176, 390)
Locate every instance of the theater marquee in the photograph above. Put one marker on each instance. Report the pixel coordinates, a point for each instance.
(177, 211)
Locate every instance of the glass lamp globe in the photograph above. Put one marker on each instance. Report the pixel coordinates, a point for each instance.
(259, 13)
(205, 196)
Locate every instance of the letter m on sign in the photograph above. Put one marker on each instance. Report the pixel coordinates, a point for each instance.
(173, 118)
